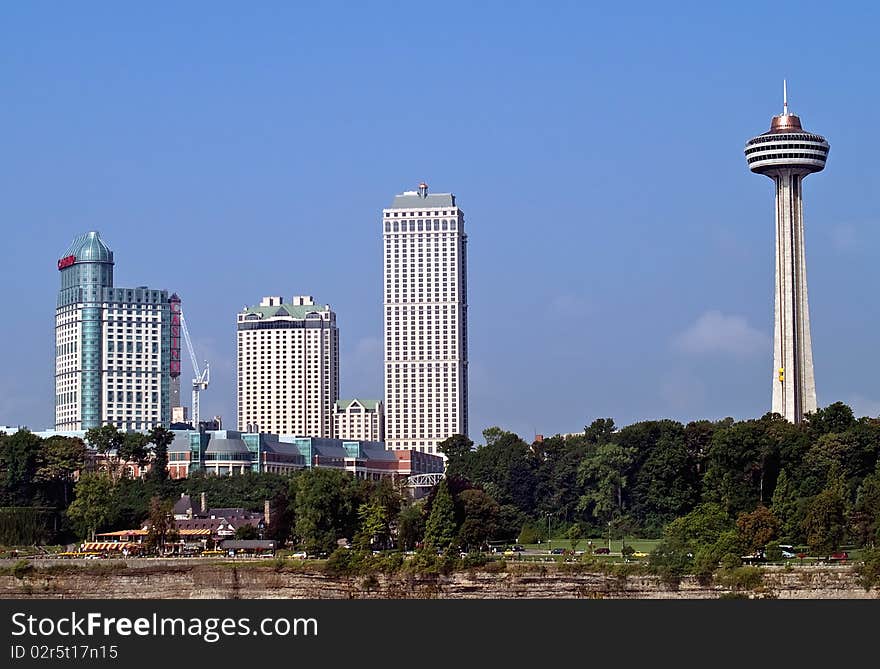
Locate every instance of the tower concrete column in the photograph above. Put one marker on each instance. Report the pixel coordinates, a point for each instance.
(794, 388)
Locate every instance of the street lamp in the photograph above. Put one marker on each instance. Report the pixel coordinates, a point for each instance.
(549, 540)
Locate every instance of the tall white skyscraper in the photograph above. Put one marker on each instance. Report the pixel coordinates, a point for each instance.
(288, 367)
(425, 287)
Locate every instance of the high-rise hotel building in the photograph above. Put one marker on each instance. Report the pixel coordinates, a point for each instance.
(116, 349)
(288, 367)
(425, 287)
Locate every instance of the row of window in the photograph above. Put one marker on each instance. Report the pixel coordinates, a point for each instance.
(419, 226)
(788, 156)
(823, 150)
(404, 214)
(775, 137)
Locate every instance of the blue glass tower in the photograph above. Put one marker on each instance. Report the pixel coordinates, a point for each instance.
(86, 268)
(113, 345)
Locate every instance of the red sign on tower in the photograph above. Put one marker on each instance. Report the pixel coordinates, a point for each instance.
(66, 261)
(174, 369)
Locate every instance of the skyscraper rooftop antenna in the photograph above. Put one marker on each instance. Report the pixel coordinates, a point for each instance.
(784, 98)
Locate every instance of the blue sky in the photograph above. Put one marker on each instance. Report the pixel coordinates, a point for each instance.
(620, 252)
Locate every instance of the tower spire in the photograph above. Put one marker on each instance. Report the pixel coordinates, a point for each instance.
(784, 98)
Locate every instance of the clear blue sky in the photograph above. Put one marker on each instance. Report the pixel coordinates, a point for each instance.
(620, 252)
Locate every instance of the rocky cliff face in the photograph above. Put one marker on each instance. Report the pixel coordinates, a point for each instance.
(182, 580)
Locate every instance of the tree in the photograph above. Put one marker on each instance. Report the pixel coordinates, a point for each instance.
(19, 457)
(492, 434)
(441, 527)
(785, 507)
(93, 506)
(757, 529)
(599, 431)
(374, 527)
(866, 513)
(410, 526)
(58, 460)
(457, 449)
(837, 417)
(702, 526)
(706, 532)
(555, 475)
(105, 438)
(133, 448)
(246, 532)
(162, 529)
(663, 477)
(129, 447)
(325, 508)
(480, 523)
(505, 469)
(603, 476)
(161, 440)
(743, 460)
(825, 521)
(574, 534)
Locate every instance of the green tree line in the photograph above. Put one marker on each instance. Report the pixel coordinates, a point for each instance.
(720, 487)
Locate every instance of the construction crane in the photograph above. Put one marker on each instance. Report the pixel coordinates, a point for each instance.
(201, 378)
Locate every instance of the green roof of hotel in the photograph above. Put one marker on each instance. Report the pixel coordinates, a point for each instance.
(292, 310)
(342, 405)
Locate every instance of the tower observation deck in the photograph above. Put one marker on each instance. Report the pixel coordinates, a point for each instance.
(787, 153)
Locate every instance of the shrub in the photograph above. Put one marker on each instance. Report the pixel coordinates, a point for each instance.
(22, 568)
(869, 570)
(531, 533)
(495, 567)
(670, 563)
(731, 561)
(773, 552)
(742, 578)
(474, 560)
(340, 563)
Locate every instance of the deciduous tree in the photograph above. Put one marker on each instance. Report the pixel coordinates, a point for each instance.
(92, 508)
(440, 530)
(757, 529)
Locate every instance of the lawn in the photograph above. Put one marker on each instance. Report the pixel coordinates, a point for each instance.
(640, 545)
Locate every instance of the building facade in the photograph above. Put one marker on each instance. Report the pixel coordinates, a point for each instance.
(229, 452)
(425, 315)
(288, 367)
(359, 419)
(787, 153)
(113, 346)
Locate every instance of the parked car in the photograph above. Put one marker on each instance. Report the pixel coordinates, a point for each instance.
(557, 551)
(602, 551)
(839, 556)
(788, 551)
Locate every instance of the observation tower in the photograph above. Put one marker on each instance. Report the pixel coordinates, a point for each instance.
(787, 153)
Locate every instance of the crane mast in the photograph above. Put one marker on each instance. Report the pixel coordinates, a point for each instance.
(201, 378)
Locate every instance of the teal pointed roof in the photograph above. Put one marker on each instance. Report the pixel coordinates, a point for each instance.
(90, 248)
